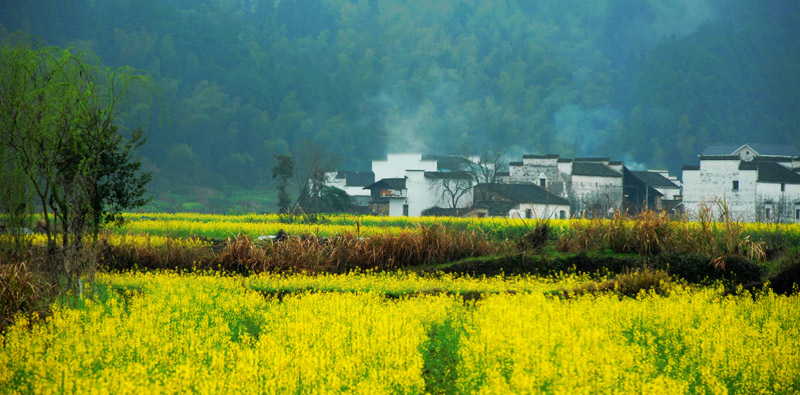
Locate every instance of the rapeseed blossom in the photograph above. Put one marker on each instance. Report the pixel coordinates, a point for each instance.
(210, 333)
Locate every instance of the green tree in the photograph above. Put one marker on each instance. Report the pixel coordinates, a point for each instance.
(58, 124)
(283, 171)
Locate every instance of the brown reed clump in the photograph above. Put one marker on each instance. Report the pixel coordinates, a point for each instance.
(582, 236)
(651, 233)
(22, 291)
(169, 255)
(717, 237)
(428, 245)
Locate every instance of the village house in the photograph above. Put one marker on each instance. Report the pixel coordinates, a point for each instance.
(755, 182)
(651, 190)
(410, 184)
(519, 201)
(353, 183)
(593, 186)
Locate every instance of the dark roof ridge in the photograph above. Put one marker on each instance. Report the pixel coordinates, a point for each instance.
(547, 156)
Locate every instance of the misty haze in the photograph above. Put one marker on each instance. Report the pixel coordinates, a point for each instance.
(651, 83)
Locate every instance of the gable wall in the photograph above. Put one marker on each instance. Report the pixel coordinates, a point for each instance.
(714, 181)
(598, 195)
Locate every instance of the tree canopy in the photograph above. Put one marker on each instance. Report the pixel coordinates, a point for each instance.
(247, 80)
(58, 135)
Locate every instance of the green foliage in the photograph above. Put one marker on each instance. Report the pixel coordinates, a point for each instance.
(283, 171)
(58, 112)
(245, 81)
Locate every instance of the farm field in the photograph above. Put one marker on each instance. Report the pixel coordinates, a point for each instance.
(401, 333)
(349, 304)
(222, 226)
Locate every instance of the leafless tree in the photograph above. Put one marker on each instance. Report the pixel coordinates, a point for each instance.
(453, 187)
(311, 163)
(486, 170)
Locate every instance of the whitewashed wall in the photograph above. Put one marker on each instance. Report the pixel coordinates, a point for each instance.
(540, 211)
(783, 204)
(714, 181)
(424, 193)
(395, 165)
(591, 193)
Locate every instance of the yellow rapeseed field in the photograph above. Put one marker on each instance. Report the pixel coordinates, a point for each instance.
(208, 333)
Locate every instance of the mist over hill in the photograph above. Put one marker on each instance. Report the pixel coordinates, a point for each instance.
(645, 81)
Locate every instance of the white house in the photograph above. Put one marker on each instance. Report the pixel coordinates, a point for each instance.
(750, 151)
(519, 201)
(409, 184)
(353, 183)
(754, 187)
(593, 186)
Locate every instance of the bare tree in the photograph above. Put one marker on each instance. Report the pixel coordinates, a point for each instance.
(486, 170)
(453, 186)
(488, 166)
(312, 162)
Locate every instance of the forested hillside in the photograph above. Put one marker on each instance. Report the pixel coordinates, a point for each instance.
(646, 81)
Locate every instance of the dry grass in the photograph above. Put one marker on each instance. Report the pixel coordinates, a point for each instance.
(22, 291)
(428, 245)
(424, 246)
(651, 233)
(170, 255)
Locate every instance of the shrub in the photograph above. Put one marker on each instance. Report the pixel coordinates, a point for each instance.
(699, 268)
(628, 284)
(787, 277)
(536, 238)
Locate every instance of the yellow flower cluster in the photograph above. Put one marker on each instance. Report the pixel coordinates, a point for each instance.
(402, 282)
(211, 333)
(144, 240)
(687, 343)
(254, 225)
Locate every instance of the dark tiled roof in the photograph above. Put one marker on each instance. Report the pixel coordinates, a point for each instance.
(388, 183)
(515, 163)
(550, 156)
(748, 165)
(720, 157)
(359, 178)
(774, 149)
(502, 173)
(525, 193)
(691, 167)
(592, 159)
(615, 162)
(593, 169)
(761, 149)
(565, 160)
(775, 173)
(652, 179)
(719, 149)
(460, 175)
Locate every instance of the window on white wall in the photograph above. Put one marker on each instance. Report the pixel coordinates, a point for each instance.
(543, 182)
(767, 213)
(736, 185)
